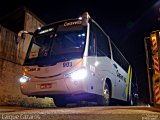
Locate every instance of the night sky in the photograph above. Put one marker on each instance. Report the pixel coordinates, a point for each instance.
(127, 22)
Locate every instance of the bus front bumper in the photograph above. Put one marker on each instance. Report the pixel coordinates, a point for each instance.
(50, 87)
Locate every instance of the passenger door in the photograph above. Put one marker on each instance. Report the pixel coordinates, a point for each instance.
(120, 65)
(121, 83)
(118, 82)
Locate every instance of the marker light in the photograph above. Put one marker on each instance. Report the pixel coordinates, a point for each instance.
(96, 63)
(24, 79)
(39, 28)
(79, 74)
(85, 18)
(80, 18)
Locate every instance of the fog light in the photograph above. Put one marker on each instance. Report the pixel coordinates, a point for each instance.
(24, 79)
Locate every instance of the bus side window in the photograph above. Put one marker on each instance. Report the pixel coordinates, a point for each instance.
(119, 58)
(116, 55)
(99, 42)
(92, 45)
(102, 42)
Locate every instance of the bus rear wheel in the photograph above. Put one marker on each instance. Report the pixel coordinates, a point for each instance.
(132, 101)
(104, 100)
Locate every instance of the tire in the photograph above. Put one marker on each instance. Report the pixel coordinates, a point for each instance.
(104, 100)
(60, 102)
(132, 101)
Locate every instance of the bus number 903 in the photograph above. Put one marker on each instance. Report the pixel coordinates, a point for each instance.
(67, 64)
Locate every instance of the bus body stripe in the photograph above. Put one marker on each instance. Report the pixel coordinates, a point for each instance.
(130, 82)
(127, 81)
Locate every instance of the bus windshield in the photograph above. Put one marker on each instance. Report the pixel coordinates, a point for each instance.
(56, 44)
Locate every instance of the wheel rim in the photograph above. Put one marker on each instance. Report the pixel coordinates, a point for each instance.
(106, 94)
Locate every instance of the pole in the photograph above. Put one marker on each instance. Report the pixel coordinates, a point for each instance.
(147, 39)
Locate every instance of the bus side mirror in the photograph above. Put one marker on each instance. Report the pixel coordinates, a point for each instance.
(21, 33)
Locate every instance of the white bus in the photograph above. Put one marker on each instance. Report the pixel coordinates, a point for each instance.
(75, 60)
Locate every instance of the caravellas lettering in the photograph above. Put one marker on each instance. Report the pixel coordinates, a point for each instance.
(72, 23)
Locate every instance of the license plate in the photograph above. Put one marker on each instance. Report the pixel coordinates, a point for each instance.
(45, 86)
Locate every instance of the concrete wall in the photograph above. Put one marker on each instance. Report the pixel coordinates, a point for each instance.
(31, 23)
(11, 70)
(8, 47)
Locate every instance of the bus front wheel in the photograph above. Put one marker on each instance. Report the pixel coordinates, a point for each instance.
(60, 102)
(104, 100)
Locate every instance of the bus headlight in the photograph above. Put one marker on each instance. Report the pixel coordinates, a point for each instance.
(24, 79)
(79, 74)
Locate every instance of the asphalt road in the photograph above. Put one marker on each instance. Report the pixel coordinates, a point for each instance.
(80, 113)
